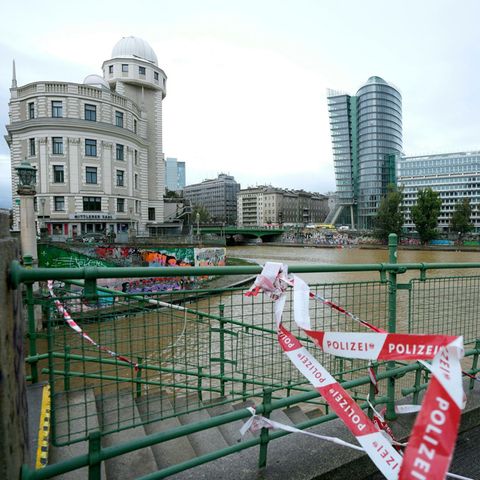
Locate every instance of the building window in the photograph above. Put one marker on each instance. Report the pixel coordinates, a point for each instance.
(135, 178)
(59, 204)
(57, 228)
(90, 112)
(31, 146)
(134, 126)
(57, 146)
(92, 204)
(125, 67)
(119, 119)
(57, 109)
(141, 70)
(120, 178)
(31, 110)
(155, 76)
(137, 206)
(120, 205)
(136, 157)
(119, 152)
(151, 213)
(90, 148)
(110, 69)
(91, 175)
(58, 174)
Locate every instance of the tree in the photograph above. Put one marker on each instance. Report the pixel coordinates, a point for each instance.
(425, 214)
(460, 221)
(204, 215)
(171, 194)
(390, 217)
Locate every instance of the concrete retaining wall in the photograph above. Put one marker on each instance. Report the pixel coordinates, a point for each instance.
(13, 404)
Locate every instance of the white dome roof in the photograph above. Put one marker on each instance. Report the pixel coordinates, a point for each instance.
(134, 47)
(95, 81)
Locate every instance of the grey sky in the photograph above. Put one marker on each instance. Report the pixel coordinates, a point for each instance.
(247, 79)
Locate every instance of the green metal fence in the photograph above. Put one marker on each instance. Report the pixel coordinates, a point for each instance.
(195, 347)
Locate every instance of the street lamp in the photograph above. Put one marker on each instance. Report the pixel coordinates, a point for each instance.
(27, 177)
(197, 219)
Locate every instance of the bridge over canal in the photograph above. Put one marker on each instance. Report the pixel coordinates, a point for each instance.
(244, 234)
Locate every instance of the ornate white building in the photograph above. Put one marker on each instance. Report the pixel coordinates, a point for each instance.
(97, 146)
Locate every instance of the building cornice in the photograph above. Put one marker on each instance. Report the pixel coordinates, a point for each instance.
(74, 124)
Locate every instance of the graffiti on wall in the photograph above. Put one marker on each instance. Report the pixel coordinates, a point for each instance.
(168, 257)
(210, 257)
(107, 256)
(55, 257)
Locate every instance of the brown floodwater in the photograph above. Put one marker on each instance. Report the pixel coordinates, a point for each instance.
(171, 341)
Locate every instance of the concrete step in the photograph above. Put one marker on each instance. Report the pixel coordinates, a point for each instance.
(230, 431)
(296, 414)
(205, 441)
(166, 453)
(120, 411)
(281, 417)
(75, 413)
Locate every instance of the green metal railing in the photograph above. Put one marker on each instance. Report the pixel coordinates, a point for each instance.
(216, 345)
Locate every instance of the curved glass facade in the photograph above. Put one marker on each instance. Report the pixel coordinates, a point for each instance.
(366, 132)
(379, 110)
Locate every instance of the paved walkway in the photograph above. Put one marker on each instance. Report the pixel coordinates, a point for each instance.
(466, 459)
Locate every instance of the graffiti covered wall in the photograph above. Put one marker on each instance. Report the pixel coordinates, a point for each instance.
(111, 256)
(210, 257)
(55, 257)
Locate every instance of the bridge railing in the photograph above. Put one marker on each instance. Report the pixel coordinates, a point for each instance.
(196, 346)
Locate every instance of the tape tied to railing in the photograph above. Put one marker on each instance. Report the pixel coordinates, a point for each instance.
(431, 444)
(76, 328)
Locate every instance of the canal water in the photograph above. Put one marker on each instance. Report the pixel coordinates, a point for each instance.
(177, 341)
(307, 255)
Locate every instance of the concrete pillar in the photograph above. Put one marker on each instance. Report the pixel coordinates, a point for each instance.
(28, 232)
(13, 403)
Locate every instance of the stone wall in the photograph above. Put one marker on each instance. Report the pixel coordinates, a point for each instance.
(13, 405)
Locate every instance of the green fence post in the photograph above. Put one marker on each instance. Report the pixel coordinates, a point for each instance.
(264, 435)
(139, 376)
(90, 284)
(474, 364)
(418, 379)
(66, 361)
(32, 334)
(94, 462)
(221, 309)
(392, 321)
(200, 383)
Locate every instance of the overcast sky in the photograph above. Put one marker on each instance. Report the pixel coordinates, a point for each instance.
(247, 80)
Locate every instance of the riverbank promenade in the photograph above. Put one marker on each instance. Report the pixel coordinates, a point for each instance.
(159, 384)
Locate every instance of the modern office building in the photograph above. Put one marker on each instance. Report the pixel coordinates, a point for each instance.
(218, 196)
(455, 176)
(174, 174)
(96, 145)
(366, 131)
(270, 206)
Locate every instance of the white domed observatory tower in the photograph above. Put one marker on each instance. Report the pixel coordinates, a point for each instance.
(134, 73)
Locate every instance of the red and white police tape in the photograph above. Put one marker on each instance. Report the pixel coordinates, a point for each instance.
(432, 441)
(74, 326)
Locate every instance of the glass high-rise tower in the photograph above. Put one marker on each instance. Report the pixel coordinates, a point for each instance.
(366, 132)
